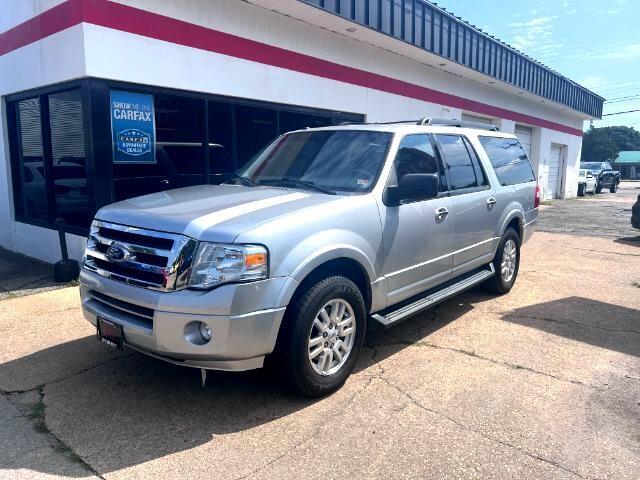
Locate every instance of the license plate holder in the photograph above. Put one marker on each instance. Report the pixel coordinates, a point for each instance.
(110, 333)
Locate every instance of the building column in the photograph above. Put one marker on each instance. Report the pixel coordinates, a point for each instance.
(506, 126)
(6, 187)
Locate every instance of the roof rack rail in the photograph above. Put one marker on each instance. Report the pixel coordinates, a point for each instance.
(432, 121)
(457, 123)
(376, 123)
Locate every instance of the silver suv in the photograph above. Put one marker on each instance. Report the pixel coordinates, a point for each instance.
(325, 230)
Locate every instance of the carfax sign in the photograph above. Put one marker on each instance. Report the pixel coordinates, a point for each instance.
(132, 127)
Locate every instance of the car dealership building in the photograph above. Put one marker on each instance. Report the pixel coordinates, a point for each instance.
(106, 100)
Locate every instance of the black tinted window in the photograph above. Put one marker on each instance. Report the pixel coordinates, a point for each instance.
(416, 155)
(477, 167)
(255, 127)
(220, 143)
(457, 162)
(33, 203)
(67, 147)
(509, 160)
(179, 159)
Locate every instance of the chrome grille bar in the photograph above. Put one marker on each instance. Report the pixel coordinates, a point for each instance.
(157, 268)
(133, 247)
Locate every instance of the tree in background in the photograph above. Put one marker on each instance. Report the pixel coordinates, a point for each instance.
(602, 144)
(626, 138)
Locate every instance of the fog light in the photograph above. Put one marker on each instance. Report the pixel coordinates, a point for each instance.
(205, 331)
(198, 333)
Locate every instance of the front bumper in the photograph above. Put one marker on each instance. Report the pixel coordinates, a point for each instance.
(244, 318)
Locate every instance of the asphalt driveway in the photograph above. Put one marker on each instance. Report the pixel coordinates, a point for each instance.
(541, 383)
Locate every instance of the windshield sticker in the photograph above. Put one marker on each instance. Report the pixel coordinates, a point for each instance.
(363, 181)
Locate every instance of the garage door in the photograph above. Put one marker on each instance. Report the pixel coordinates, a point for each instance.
(553, 178)
(473, 118)
(525, 135)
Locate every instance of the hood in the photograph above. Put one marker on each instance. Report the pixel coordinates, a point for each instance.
(210, 212)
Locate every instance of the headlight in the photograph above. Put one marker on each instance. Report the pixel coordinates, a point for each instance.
(216, 263)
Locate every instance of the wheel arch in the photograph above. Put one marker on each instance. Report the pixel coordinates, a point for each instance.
(515, 220)
(346, 266)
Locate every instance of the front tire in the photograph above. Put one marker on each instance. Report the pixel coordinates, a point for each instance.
(506, 263)
(581, 187)
(614, 187)
(598, 187)
(322, 335)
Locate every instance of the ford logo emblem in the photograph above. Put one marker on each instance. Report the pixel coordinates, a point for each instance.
(118, 253)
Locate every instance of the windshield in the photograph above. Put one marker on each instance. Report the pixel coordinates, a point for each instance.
(333, 160)
(591, 165)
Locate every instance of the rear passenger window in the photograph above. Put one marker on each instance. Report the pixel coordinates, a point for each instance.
(458, 162)
(477, 166)
(509, 160)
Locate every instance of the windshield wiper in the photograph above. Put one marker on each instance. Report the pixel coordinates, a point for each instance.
(246, 181)
(297, 183)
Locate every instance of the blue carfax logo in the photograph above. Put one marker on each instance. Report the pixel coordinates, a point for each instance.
(134, 142)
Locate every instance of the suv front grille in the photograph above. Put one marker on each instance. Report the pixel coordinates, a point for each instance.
(145, 258)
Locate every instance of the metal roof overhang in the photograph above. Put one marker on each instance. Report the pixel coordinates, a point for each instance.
(433, 36)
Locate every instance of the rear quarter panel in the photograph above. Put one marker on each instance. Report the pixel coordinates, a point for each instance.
(514, 201)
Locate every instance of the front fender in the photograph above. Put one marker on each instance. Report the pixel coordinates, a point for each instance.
(309, 255)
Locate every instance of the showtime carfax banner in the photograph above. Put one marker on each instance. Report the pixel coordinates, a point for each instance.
(132, 127)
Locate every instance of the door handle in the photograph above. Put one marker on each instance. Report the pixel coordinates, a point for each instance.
(491, 201)
(164, 182)
(441, 213)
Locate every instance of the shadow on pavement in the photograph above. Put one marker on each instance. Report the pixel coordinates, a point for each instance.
(589, 321)
(632, 241)
(20, 275)
(136, 409)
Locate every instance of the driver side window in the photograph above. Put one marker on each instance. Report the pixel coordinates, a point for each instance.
(416, 155)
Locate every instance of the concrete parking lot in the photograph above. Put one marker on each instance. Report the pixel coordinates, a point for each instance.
(541, 383)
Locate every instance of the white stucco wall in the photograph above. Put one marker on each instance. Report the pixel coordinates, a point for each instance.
(54, 59)
(90, 50)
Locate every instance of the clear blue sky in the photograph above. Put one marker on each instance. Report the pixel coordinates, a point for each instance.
(595, 43)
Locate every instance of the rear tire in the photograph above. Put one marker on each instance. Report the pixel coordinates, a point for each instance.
(327, 371)
(581, 188)
(506, 263)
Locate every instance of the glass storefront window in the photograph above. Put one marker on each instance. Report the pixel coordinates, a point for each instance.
(71, 201)
(220, 141)
(255, 128)
(179, 157)
(64, 168)
(33, 185)
(290, 121)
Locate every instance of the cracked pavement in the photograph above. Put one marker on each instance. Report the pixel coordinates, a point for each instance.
(541, 383)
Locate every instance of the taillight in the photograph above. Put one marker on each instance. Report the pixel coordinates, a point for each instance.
(536, 197)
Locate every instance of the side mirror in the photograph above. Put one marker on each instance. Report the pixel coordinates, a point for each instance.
(413, 186)
(589, 175)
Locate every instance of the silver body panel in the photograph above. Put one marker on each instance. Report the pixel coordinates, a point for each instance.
(403, 250)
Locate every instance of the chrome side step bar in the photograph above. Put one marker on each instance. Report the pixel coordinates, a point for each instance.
(388, 318)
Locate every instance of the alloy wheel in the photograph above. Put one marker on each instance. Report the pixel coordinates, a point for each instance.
(332, 337)
(509, 260)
